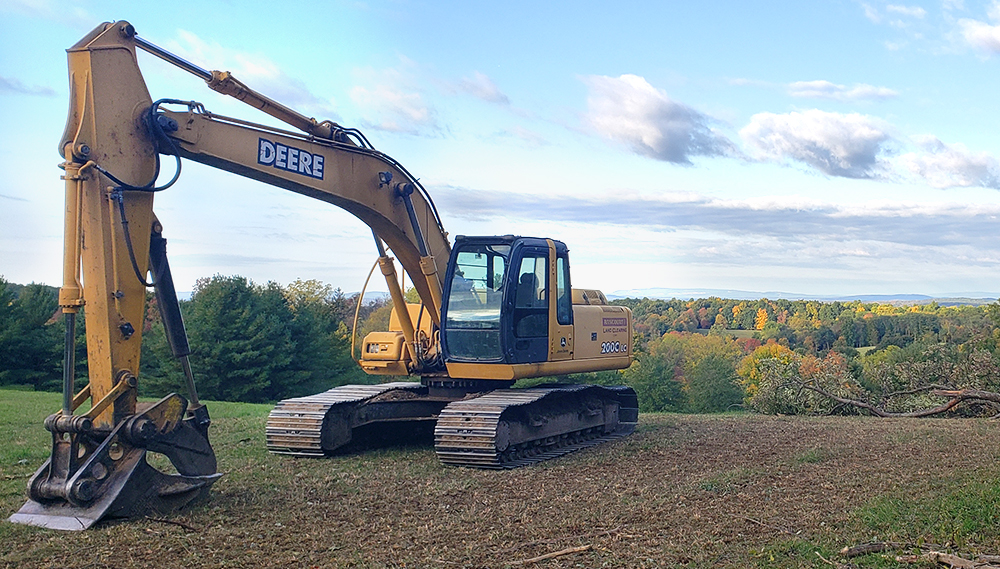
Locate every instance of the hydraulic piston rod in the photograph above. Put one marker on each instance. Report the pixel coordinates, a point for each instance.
(224, 82)
(165, 55)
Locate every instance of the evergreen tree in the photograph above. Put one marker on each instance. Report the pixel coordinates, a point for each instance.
(240, 339)
(255, 343)
(30, 340)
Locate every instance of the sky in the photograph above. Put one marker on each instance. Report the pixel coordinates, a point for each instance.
(818, 148)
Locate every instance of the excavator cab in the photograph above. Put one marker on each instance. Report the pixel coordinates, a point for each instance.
(508, 311)
(498, 296)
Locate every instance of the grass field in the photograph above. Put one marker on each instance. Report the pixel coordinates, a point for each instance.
(683, 491)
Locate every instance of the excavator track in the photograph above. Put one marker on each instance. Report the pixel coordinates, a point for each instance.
(315, 425)
(510, 428)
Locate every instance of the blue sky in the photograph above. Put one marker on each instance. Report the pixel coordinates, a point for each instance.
(811, 147)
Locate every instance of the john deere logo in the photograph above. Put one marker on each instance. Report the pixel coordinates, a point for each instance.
(289, 158)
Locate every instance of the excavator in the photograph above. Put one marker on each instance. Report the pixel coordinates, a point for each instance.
(492, 309)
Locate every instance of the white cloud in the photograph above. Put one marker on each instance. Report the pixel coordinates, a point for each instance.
(913, 11)
(744, 82)
(951, 165)
(629, 110)
(482, 87)
(804, 233)
(11, 85)
(847, 145)
(257, 71)
(71, 15)
(394, 110)
(391, 99)
(871, 13)
(981, 35)
(828, 90)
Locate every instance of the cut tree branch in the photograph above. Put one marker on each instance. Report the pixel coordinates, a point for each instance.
(616, 531)
(953, 561)
(560, 553)
(957, 396)
(967, 394)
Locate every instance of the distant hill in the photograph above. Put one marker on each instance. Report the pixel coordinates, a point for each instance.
(950, 299)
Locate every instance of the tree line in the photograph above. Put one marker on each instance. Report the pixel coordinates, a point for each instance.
(265, 342)
(249, 342)
(812, 357)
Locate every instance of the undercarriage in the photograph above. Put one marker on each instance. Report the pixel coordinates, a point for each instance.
(494, 429)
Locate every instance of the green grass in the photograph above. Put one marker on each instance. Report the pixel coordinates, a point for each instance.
(812, 456)
(961, 511)
(355, 509)
(731, 480)
(792, 552)
(27, 443)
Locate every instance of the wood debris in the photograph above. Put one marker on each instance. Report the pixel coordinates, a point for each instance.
(953, 561)
(560, 553)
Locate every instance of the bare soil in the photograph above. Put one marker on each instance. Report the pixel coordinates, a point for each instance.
(683, 491)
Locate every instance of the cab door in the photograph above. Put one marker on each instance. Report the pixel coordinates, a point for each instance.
(528, 306)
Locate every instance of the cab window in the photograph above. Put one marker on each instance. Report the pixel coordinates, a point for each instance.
(564, 295)
(474, 300)
(531, 303)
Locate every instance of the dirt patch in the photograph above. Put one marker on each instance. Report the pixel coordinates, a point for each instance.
(695, 491)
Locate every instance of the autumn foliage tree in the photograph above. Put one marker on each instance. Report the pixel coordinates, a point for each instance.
(780, 381)
(762, 375)
(682, 371)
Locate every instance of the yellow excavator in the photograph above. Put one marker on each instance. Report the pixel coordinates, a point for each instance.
(492, 310)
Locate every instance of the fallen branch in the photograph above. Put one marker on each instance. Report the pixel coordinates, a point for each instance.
(965, 394)
(172, 522)
(957, 396)
(953, 561)
(560, 553)
(880, 547)
(615, 531)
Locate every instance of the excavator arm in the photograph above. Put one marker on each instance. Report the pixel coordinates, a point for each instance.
(112, 144)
